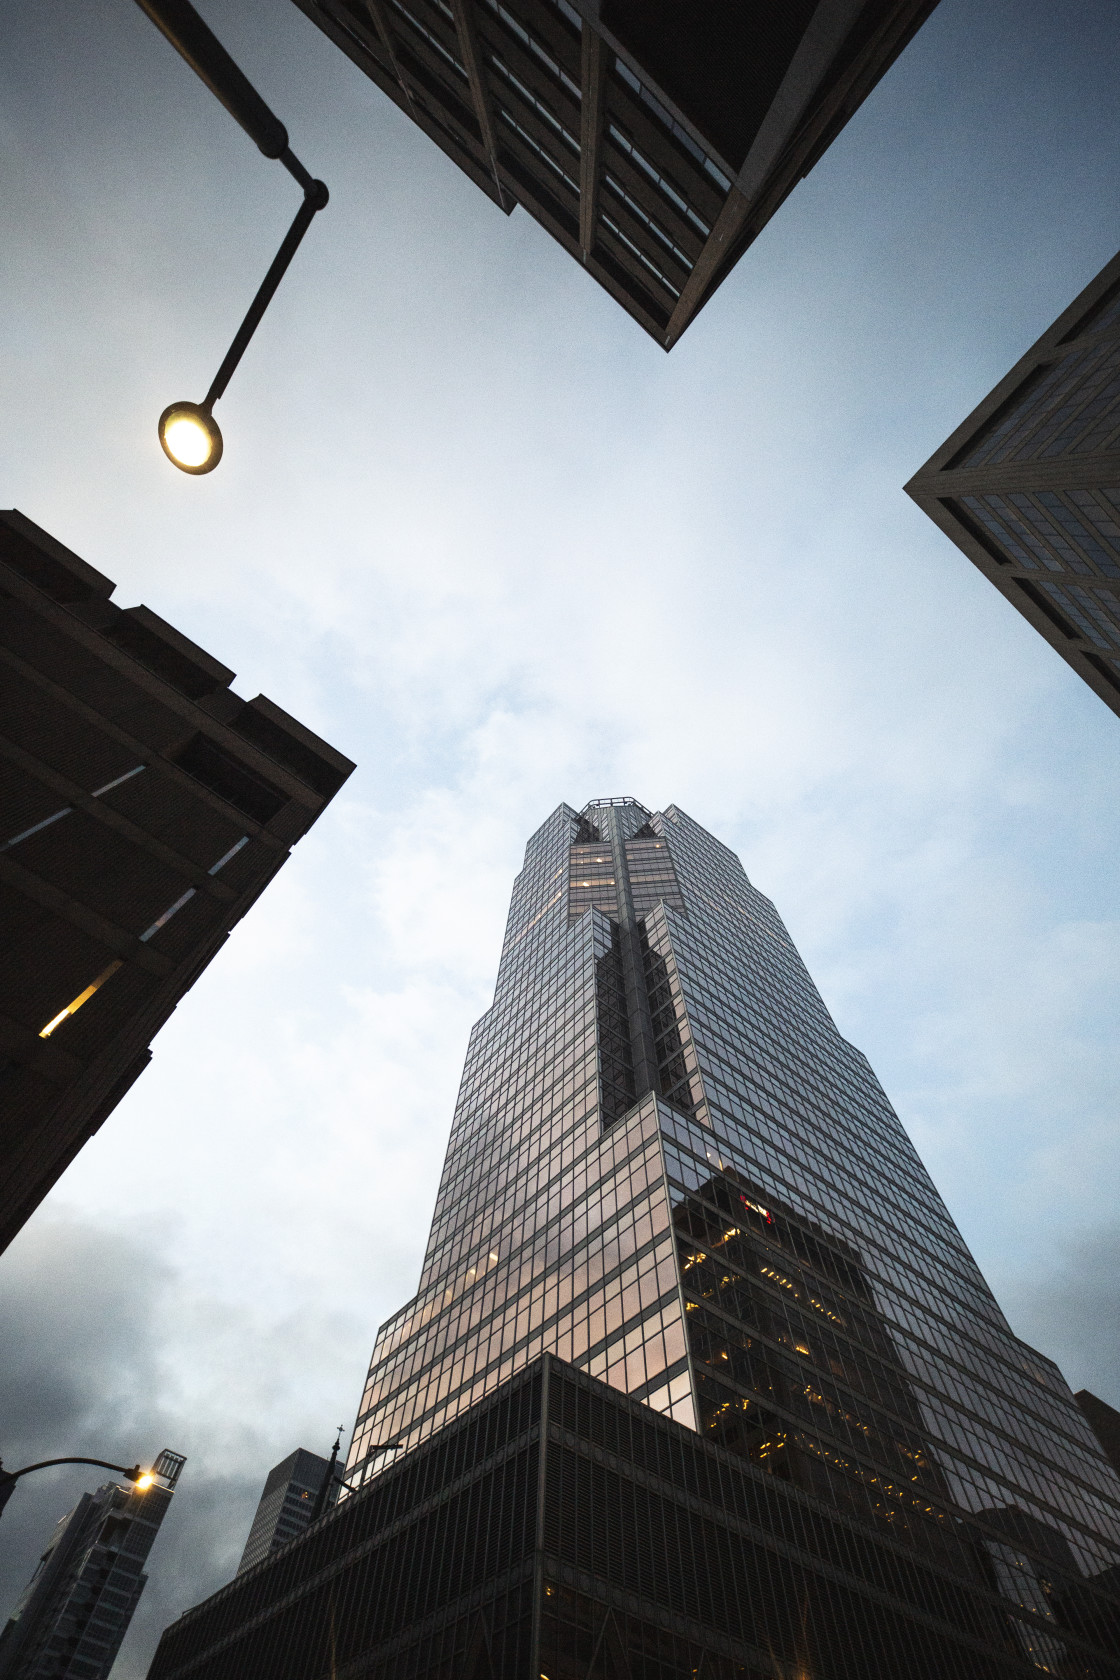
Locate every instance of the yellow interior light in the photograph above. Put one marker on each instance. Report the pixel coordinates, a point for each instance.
(82, 997)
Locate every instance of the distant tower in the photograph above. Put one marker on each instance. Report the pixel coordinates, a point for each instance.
(71, 1620)
(145, 808)
(299, 1488)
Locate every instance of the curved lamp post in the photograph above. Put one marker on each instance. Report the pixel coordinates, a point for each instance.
(143, 1479)
(188, 433)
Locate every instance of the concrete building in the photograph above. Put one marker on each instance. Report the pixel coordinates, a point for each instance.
(654, 140)
(145, 809)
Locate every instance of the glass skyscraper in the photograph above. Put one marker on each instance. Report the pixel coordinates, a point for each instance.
(1029, 485)
(668, 1168)
(700, 1382)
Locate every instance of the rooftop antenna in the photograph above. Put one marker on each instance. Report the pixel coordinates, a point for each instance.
(329, 1479)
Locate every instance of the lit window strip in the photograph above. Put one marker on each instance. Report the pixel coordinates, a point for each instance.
(640, 254)
(573, 17)
(66, 810)
(545, 157)
(535, 47)
(432, 40)
(161, 921)
(671, 124)
(82, 997)
(233, 851)
(538, 105)
(643, 216)
(623, 140)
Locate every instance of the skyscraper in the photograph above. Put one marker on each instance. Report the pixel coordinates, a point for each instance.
(1104, 1420)
(654, 140)
(70, 1621)
(700, 1371)
(1029, 485)
(145, 809)
(287, 1501)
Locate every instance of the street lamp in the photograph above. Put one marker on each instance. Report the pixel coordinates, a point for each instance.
(188, 433)
(141, 1479)
(332, 1474)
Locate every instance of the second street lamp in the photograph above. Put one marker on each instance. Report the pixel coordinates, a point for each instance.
(188, 433)
(141, 1479)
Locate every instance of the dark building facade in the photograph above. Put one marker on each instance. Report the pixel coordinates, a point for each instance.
(1105, 1423)
(560, 1529)
(70, 1622)
(145, 808)
(671, 1175)
(291, 1493)
(653, 139)
(1029, 486)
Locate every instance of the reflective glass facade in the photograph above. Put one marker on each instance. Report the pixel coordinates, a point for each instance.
(668, 1168)
(1029, 485)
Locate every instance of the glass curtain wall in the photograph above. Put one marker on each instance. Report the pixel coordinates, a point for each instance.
(667, 1167)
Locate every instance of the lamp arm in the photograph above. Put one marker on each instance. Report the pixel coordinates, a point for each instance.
(9, 1478)
(197, 43)
(45, 1463)
(315, 197)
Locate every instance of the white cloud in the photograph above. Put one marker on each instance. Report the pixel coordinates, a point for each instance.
(480, 533)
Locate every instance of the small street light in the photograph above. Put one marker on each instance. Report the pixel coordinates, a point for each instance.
(141, 1479)
(188, 433)
(332, 1474)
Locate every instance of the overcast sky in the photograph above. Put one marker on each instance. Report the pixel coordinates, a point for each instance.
(477, 530)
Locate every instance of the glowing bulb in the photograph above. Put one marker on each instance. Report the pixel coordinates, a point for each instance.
(190, 437)
(187, 442)
(147, 1480)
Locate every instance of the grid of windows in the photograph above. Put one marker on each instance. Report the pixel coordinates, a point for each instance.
(1033, 493)
(752, 1247)
(562, 1529)
(555, 108)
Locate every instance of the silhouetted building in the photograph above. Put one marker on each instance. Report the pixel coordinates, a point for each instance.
(653, 139)
(70, 1622)
(287, 1503)
(1104, 1420)
(668, 1171)
(1029, 486)
(145, 808)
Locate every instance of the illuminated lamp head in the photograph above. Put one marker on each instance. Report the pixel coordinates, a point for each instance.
(144, 1482)
(190, 437)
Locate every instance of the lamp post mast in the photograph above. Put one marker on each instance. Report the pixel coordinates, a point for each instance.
(177, 20)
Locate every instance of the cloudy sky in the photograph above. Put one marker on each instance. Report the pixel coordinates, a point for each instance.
(479, 532)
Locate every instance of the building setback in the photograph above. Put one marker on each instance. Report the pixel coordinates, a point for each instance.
(1105, 1423)
(76, 1610)
(145, 808)
(1029, 486)
(289, 1497)
(654, 140)
(782, 1425)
